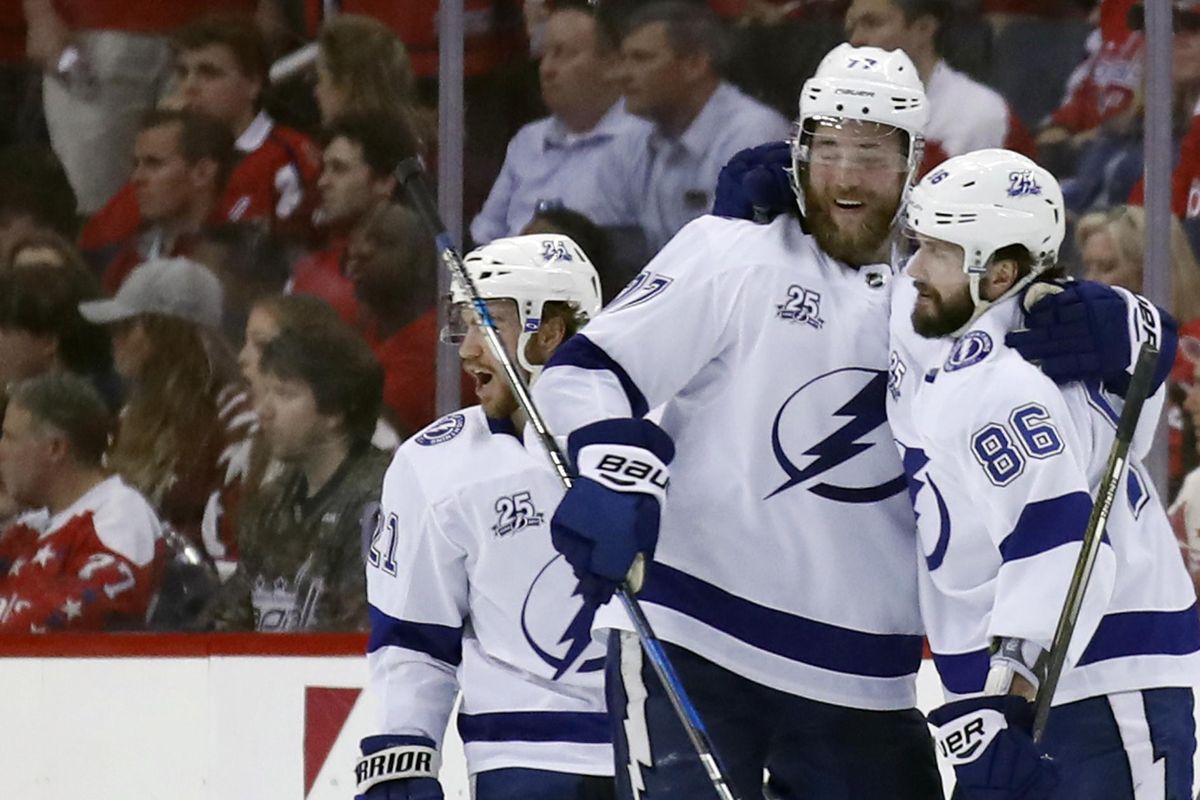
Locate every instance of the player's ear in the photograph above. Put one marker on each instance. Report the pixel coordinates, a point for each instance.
(550, 334)
(1001, 276)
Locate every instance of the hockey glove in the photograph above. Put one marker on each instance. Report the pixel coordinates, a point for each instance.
(1082, 330)
(987, 741)
(754, 184)
(398, 768)
(611, 512)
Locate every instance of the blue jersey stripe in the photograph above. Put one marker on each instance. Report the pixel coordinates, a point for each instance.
(1144, 633)
(791, 636)
(1047, 524)
(578, 727)
(440, 641)
(964, 673)
(580, 351)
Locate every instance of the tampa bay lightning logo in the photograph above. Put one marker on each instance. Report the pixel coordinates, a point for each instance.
(443, 430)
(831, 437)
(557, 639)
(970, 349)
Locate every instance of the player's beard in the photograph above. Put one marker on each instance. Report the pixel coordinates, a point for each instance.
(858, 247)
(948, 313)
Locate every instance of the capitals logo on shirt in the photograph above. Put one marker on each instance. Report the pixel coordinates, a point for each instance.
(831, 438)
(557, 624)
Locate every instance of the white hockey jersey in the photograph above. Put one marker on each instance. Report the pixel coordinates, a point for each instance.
(467, 592)
(785, 549)
(1002, 468)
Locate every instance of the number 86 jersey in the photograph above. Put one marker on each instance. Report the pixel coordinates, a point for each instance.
(1002, 466)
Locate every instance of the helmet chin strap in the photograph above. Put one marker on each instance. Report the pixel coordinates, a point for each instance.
(534, 370)
(981, 305)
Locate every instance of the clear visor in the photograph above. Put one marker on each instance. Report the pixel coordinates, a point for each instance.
(904, 246)
(832, 143)
(460, 318)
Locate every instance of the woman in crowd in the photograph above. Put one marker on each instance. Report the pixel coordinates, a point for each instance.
(185, 431)
(1112, 244)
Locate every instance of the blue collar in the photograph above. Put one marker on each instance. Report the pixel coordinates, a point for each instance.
(502, 426)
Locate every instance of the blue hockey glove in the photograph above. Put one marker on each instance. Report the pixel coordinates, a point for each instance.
(754, 184)
(1082, 330)
(987, 741)
(611, 512)
(398, 768)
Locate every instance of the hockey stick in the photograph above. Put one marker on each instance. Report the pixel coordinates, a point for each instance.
(409, 176)
(1114, 470)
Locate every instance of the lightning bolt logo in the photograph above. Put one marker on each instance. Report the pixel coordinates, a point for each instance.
(578, 633)
(915, 460)
(866, 411)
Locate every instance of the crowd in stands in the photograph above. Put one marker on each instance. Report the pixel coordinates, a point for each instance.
(218, 317)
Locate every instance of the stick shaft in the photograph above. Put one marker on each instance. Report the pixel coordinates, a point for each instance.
(1139, 390)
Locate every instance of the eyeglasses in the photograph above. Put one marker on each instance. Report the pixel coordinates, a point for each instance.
(1182, 20)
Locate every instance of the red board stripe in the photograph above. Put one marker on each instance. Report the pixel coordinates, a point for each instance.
(181, 645)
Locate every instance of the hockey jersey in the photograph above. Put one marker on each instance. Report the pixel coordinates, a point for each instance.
(91, 566)
(785, 549)
(466, 592)
(1002, 467)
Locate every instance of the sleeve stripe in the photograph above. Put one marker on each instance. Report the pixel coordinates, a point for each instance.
(579, 727)
(1137, 633)
(581, 352)
(963, 673)
(439, 641)
(1047, 524)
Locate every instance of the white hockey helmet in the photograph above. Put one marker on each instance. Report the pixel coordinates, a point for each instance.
(987, 200)
(862, 84)
(531, 271)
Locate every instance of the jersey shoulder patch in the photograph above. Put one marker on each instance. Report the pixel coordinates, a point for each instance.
(442, 431)
(971, 349)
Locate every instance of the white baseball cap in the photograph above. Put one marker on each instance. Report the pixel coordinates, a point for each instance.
(173, 287)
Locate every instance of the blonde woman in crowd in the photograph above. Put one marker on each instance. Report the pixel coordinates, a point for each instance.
(185, 431)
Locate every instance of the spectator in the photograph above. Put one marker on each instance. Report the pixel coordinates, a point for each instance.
(303, 538)
(1112, 244)
(391, 264)
(672, 57)
(556, 158)
(221, 65)
(44, 248)
(106, 63)
(250, 262)
(181, 162)
(35, 197)
(86, 554)
(185, 431)
(592, 240)
(41, 329)
(357, 177)
(362, 68)
(964, 115)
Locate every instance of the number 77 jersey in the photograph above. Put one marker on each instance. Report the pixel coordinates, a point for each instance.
(1002, 466)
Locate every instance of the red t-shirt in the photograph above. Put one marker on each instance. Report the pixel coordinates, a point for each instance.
(321, 274)
(143, 16)
(92, 565)
(1105, 85)
(133, 253)
(409, 358)
(275, 180)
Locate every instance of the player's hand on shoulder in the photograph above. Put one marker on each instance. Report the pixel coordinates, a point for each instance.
(1081, 331)
(398, 768)
(988, 742)
(611, 512)
(754, 184)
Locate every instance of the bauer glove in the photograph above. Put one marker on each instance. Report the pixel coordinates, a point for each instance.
(611, 513)
(987, 741)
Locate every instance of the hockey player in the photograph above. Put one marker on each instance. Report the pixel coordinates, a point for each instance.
(465, 589)
(1002, 466)
(783, 584)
